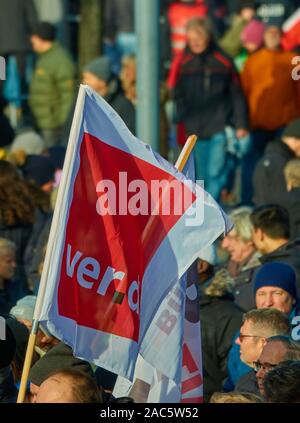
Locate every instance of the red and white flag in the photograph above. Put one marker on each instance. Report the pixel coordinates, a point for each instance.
(291, 31)
(116, 251)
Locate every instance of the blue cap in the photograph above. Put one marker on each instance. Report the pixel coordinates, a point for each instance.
(276, 274)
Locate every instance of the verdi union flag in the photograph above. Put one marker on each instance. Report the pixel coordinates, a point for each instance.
(126, 227)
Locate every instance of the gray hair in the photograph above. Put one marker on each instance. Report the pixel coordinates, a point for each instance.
(200, 24)
(6, 244)
(242, 224)
(292, 172)
(287, 341)
(269, 322)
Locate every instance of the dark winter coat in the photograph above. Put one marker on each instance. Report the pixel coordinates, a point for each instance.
(13, 291)
(8, 391)
(268, 179)
(42, 221)
(292, 204)
(6, 131)
(17, 19)
(207, 93)
(220, 318)
(118, 17)
(126, 110)
(248, 383)
(243, 284)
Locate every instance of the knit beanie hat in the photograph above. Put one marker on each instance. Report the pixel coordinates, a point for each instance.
(24, 308)
(56, 155)
(276, 274)
(38, 169)
(44, 30)
(58, 358)
(292, 129)
(101, 68)
(7, 344)
(253, 32)
(28, 141)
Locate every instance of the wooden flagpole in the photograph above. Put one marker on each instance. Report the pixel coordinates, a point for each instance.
(185, 153)
(62, 190)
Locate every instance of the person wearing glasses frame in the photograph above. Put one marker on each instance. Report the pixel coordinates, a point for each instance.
(276, 350)
(258, 325)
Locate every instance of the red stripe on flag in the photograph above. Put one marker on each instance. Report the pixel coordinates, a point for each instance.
(190, 384)
(195, 400)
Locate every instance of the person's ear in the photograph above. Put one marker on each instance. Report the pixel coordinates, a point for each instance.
(263, 342)
(261, 234)
(289, 185)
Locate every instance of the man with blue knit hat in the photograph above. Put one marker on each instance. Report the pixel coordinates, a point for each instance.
(275, 287)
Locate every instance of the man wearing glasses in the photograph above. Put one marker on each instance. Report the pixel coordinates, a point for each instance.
(274, 352)
(258, 325)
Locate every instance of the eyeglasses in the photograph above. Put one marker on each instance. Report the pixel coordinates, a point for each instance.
(241, 336)
(257, 365)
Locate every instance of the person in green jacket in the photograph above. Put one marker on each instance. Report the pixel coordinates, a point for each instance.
(231, 42)
(51, 92)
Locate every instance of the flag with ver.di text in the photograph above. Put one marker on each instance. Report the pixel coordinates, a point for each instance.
(126, 228)
(151, 385)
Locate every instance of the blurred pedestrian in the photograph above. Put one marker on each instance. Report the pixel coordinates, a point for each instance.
(208, 97)
(17, 213)
(52, 85)
(292, 202)
(268, 85)
(269, 171)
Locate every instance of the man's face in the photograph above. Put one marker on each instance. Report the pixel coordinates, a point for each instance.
(197, 40)
(273, 297)
(251, 344)
(236, 247)
(272, 354)
(296, 146)
(37, 44)
(55, 390)
(34, 389)
(128, 72)
(7, 264)
(272, 37)
(95, 83)
(251, 47)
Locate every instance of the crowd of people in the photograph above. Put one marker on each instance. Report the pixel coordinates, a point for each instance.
(227, 75)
